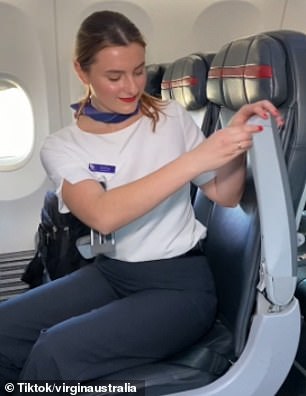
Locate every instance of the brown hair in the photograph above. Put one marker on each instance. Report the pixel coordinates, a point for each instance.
(105, 29)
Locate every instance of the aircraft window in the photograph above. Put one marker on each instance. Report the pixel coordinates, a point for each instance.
(17, 126)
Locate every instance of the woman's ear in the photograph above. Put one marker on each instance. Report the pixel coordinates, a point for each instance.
(81, 73)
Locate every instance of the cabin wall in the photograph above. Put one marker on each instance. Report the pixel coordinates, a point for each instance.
(36, 44)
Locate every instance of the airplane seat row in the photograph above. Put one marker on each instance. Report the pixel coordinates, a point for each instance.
(252, 345)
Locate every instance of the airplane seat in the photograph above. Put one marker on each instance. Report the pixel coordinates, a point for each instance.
(184, 80)
(251, 248)
(155, 74)
(295, 143)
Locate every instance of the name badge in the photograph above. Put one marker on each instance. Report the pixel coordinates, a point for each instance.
(102, 168)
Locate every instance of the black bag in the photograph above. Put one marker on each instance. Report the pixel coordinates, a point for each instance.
(57, 254)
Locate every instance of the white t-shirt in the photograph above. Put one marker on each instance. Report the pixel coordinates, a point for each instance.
(117, 158)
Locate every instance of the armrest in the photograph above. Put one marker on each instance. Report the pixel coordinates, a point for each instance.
(278, 230)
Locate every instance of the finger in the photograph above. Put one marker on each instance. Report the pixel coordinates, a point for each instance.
(279, 120)
(269, 109)
(243, 145)
(243, 130)
(249, 129)
(264, 109)
(277, 116)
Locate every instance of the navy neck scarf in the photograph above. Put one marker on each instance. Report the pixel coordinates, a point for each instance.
(97, 115)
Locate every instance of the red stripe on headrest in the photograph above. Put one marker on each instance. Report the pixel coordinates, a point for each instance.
(258, 71)
(187, 81)
(248, 71)
(166, 84)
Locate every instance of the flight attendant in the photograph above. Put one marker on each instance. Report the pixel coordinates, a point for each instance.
(124, 166)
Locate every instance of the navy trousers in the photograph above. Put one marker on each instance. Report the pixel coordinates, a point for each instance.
(105, 317)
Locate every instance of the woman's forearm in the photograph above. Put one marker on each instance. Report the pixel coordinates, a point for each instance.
(230, 181)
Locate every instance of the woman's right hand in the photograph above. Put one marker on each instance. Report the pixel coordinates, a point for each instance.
(224, 145)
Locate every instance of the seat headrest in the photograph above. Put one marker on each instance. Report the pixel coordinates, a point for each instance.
(247, 70)
(155, 74)
(185, 81)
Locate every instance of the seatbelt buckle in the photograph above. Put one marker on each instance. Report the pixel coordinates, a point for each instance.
(90, 246)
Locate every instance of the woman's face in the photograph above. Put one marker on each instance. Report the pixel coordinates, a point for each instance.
(117, 78)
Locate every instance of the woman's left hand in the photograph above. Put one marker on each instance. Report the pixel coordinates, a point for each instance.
(262, 108)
